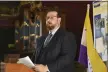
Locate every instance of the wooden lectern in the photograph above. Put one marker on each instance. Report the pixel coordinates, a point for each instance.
(17, 68)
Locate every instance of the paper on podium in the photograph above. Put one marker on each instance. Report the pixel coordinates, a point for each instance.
(26, 61)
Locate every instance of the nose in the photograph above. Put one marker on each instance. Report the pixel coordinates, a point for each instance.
(48, 19)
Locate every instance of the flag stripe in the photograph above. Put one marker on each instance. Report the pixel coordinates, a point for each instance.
(83, 56)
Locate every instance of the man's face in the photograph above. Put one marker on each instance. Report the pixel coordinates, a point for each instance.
(52, 20)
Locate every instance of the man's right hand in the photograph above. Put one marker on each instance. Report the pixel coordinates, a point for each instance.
(40, 68)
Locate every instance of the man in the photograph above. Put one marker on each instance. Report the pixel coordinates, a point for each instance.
(56, 51)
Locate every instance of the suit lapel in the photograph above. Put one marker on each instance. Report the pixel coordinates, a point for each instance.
(53, 40)
(40, 45)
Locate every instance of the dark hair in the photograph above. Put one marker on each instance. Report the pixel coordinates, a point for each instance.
(50, 9)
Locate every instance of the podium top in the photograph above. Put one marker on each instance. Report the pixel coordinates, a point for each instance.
(11, 67)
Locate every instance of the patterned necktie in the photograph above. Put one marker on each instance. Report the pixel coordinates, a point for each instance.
(48, 38)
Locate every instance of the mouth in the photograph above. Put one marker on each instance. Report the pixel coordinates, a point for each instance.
(48, 23)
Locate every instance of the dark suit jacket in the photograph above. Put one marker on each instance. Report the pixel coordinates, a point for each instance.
(59, 54)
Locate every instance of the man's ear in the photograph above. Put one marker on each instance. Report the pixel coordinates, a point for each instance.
(59, 19)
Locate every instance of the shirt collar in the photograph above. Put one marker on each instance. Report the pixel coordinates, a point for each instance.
(54, 30)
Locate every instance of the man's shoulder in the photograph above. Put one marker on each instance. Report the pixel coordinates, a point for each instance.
(41, 37)
(64, 34)
(67, 33)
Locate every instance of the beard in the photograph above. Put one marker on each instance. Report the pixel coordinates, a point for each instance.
(50, 27)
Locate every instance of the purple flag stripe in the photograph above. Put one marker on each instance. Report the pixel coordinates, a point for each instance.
(83, 59)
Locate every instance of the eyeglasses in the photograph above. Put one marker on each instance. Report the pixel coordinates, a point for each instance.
(50, 17)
